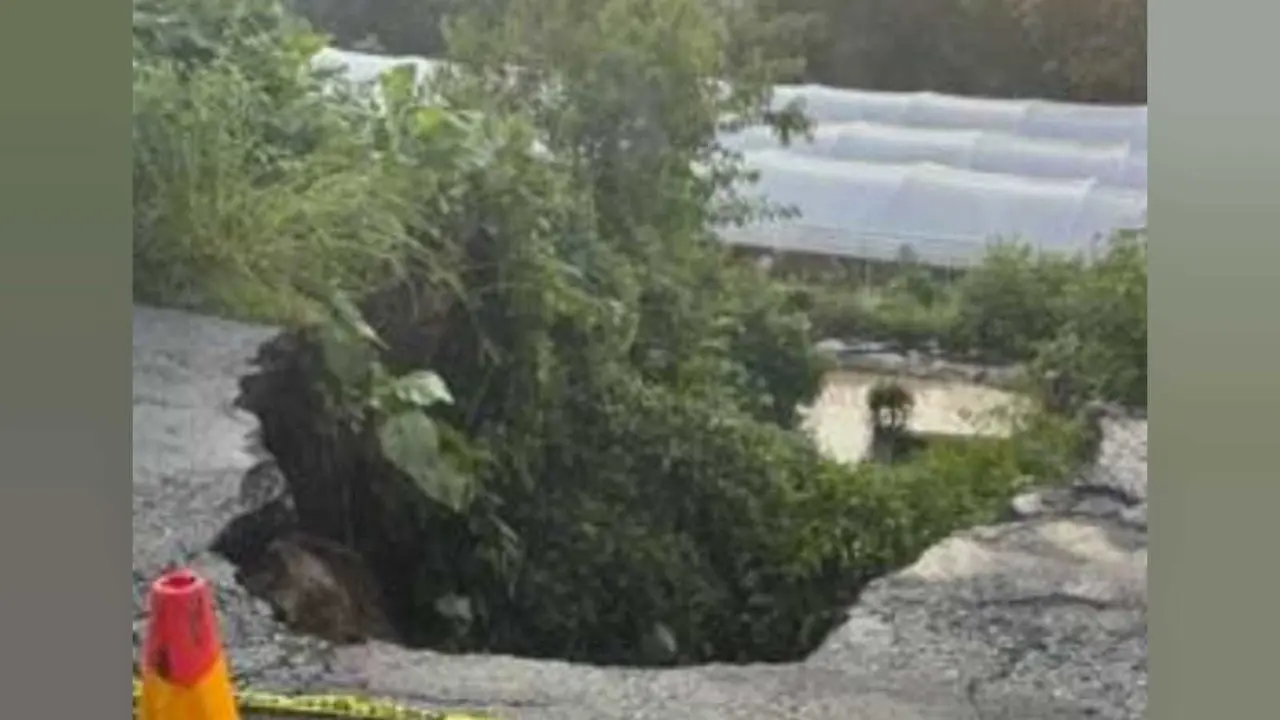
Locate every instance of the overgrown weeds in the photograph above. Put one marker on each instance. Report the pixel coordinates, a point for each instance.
(251, 187)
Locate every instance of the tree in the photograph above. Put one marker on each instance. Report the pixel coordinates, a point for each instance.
(890, 405)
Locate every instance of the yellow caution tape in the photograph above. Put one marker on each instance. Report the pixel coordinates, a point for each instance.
(353, 707)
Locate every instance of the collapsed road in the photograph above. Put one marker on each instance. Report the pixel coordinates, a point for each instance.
(1043, 616)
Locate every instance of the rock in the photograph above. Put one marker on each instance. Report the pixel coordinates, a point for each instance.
(248, 535)
(318, 587)
(1026, 505)
(1041, 617)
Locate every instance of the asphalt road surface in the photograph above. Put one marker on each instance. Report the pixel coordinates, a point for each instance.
(1041, 617)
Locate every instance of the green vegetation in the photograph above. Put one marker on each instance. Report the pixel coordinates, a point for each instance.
(1086, 50)
(249, 186)
(522, 375)
(1084, 319)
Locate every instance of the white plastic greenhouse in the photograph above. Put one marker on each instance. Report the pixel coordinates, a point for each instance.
(1029, 118)
(947, 215)
(944, 175)
(981, 150)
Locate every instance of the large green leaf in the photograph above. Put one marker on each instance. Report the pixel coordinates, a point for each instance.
(421, 389)
(412, 443)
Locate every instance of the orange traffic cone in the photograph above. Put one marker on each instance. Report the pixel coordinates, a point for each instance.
(184, 672)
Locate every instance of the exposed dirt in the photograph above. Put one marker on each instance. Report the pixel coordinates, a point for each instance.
(318, 587)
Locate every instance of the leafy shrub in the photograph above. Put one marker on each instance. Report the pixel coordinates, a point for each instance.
(1101, 345)
(773, 341)
(1083, 321)
(675, 512)
(1013, 300)
(735, 537)
(956, 484)
(888, 315)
